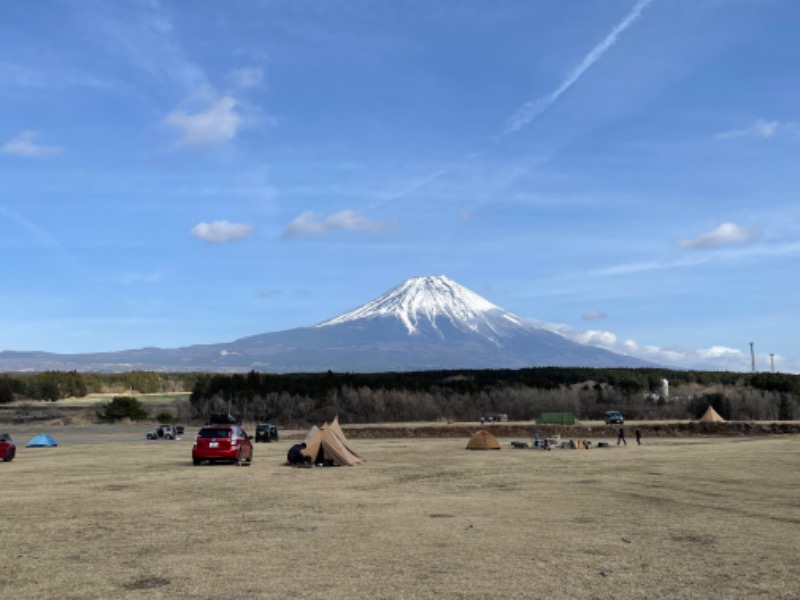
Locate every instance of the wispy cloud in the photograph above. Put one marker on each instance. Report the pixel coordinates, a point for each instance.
(221, 232)
(760, 129)
(313, 223)
(725, 234)
(247, 77)
(714, 357)
(724, 255)
(593, 315)
(530, 110)
(26, 144)
(142, 33)
(268, 293)
(217, 124)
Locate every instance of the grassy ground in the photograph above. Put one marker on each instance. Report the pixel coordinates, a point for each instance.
(713, 518)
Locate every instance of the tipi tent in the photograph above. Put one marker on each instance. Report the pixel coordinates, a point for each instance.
(328, 443)
(483, 440)
(711, 416)
(41, 441)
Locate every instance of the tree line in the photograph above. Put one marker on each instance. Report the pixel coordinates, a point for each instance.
(522, 394)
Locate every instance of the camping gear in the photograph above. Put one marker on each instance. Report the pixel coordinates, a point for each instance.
(41, 441)
(327, 445)
(483, 440)
(711, 416)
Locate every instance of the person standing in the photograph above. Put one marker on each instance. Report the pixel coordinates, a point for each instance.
(621, 436)
(638, 437)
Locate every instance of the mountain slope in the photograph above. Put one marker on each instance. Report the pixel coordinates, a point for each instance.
(423, 323)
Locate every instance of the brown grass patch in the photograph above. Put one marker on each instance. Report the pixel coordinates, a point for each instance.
(105, 517)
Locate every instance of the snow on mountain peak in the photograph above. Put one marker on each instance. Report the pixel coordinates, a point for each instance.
(428, 298)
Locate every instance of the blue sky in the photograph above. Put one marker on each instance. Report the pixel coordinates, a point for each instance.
(624, 171)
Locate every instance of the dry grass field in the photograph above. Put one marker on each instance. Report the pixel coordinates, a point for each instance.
(700, 518)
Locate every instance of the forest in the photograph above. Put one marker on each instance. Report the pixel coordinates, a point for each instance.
(463, 395)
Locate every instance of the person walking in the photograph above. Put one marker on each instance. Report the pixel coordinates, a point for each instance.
(621, 436)
(638, 437)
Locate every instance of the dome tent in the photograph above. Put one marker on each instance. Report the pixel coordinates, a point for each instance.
(483, 440)
(41, 441)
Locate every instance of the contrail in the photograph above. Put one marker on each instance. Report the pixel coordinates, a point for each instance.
(530, 110)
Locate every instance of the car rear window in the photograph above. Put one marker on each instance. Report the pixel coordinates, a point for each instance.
(215, 433)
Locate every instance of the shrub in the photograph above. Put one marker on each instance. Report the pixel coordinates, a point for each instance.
(123, 407)
(165, 417)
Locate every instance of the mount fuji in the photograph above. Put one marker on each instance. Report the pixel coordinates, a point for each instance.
(425, 323)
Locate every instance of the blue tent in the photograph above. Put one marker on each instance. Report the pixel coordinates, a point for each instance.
(41, 441)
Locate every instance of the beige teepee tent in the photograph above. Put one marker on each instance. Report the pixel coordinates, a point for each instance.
(483, 440)
(328, 443)
(711, 416)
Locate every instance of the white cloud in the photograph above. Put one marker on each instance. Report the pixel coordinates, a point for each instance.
(530, 110)
(760, 129)
(312, 223)
(217, 124)
(221, 232)
(25, 144)
(727, 233)
(714, 358)
(720, 352)
(247, 77)
(593, 315)
(595, 337)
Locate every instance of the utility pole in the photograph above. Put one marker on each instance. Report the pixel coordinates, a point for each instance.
(772, 361)
(752, 358)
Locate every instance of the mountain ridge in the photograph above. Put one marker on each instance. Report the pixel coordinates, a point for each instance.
(425, 323)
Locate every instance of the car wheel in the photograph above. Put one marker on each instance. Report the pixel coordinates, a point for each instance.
(168, 437)
(195, 461)
(9, 455)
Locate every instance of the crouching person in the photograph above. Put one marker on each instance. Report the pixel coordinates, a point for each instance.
(296, 456)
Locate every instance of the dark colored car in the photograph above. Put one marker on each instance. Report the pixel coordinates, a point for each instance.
(266, 433)
(227, 443)
(614, 417)
(8, 449)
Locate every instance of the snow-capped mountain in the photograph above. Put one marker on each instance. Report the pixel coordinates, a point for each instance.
(425, 323)
(424, 301)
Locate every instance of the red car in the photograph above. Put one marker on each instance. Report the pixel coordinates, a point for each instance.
(222, 442)
(7, 448)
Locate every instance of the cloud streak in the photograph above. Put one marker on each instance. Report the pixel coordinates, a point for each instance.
(26, 144)
(725, 234)
(760, 129)
(530, 110)
(312, 223)
(221, 232)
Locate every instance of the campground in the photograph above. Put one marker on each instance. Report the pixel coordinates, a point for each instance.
(110, 514)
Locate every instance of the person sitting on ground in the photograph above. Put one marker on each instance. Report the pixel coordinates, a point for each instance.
(296, 456)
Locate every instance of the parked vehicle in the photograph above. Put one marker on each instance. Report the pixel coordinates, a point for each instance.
(222, 443)
(8, 449)
(168, 432)
(222, 419)
(614, 417)
(266, 432)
